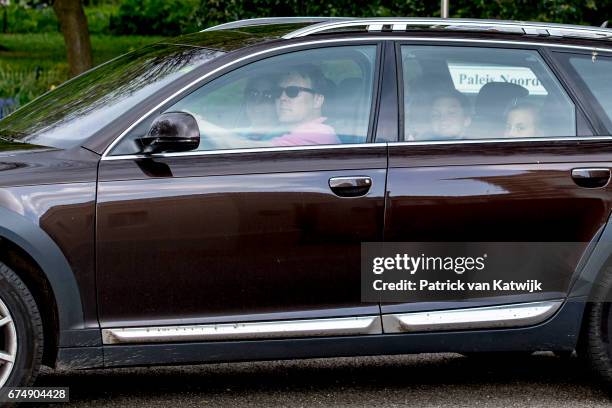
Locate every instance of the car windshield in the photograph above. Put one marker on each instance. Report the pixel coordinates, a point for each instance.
(73, 112)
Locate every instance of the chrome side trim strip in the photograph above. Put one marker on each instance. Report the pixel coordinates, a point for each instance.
(359, 145)
(246, 150)
(500, 42)
(490, 317)
(344, 326)
(329, 41)
(503, 140)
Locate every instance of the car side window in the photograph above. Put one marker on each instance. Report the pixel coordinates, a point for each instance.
(596, 72)
(453, 93)
(319, 96)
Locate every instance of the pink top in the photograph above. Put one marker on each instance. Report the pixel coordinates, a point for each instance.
(309, 133)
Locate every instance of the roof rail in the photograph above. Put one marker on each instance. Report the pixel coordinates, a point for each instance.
(407, 24)
(273, 20)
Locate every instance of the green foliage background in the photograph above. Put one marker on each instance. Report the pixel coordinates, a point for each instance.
(173, 17)
(33, 58)
(31, 64)
(211, 12)
(23, 19)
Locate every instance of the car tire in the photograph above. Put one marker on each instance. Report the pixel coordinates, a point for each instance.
(21, 334)
(595, 343)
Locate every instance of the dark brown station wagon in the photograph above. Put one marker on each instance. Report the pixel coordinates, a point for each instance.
(206, 198)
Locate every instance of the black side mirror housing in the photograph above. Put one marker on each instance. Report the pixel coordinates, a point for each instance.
(171, 132)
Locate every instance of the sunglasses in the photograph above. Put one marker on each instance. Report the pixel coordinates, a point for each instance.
(255, 95)
(290, 91)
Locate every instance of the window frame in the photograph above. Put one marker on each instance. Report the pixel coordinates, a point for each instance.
(581, 120)
(239, 61)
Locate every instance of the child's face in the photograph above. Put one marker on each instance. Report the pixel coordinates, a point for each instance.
(521, 123)
(448, 119)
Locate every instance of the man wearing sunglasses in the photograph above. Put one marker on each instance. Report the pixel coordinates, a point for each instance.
(298, 98)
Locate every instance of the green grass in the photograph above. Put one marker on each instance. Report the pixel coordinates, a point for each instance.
(48, 48)
(31, 64)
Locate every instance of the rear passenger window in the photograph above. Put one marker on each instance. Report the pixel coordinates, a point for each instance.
(596, 72)
(453, 93)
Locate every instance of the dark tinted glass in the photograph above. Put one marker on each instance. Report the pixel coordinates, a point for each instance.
(454, 93)
(76, 110)
(309, 97)
(596, 72)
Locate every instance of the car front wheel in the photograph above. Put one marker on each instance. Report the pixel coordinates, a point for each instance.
(21, 332)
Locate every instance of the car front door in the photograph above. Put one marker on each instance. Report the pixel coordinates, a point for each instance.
(269, 229)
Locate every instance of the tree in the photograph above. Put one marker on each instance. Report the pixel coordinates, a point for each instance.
(73, 23)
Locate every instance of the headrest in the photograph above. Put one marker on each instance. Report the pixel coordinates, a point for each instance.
(496, 96)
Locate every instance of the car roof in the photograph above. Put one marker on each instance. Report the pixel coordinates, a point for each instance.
(239, 34)
(243, 33)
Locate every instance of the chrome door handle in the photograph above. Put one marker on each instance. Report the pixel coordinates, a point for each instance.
(351, 186)
(593, 177)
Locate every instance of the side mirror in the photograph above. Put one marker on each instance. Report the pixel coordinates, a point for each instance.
(171, 132)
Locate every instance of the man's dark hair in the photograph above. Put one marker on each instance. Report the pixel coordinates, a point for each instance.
(313, 73)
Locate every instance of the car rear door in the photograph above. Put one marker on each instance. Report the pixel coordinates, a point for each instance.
(488, 184)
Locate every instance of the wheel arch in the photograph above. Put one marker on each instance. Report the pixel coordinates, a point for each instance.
(596, 262)
(38, 245)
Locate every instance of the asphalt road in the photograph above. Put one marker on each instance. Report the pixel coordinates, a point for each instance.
(425, 380)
